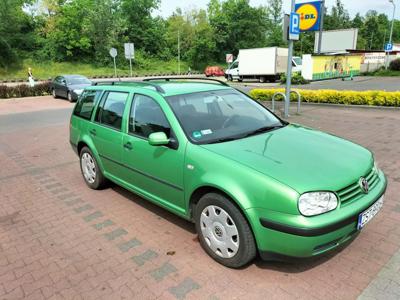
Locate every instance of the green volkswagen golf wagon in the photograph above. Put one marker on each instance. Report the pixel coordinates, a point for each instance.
(251, 182)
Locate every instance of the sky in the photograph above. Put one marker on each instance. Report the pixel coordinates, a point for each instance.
(353, 6)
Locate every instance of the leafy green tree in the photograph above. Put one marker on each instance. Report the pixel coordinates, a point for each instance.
(203, 46)
(142, 28)
(66, 35)
(237, 25)
(16, 28)
(338, 18)
(105, 25)
(274, 31)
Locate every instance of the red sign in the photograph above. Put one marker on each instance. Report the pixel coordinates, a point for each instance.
(229, 58)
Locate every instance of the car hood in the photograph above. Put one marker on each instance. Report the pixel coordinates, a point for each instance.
(78, 86)
(302, 158)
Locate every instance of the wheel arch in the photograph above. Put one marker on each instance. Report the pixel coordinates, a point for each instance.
(85, 143)
(206, 189)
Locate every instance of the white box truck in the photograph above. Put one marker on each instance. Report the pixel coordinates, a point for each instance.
(264, 64)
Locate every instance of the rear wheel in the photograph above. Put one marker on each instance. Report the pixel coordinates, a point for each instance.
(90, 170)
(223, 231)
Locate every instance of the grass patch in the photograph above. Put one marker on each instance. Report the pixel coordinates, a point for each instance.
(46, 70)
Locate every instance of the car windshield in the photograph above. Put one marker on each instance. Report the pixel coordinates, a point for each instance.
(219, 116)
(78, 80)
(298, 61)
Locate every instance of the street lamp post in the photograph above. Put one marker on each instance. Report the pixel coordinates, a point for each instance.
(391, 30)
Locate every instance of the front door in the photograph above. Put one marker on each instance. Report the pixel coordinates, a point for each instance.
(154, 171)
(106, 131)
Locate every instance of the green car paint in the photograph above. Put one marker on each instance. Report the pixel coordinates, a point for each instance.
(263, 174)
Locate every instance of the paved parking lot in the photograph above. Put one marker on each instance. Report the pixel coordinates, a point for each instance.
(61, 240)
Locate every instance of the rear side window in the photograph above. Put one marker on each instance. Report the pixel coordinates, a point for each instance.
(86, 103)
(112, 109)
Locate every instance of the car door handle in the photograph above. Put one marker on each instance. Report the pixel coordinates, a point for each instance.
(93, 132)
(128, 146)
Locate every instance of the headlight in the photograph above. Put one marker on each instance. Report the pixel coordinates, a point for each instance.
(376, 167)
(316, 203)
(78, 92)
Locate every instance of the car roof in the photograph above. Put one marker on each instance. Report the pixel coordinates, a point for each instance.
(166, 88)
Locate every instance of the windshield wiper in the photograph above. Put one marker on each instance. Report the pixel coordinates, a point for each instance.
(227, 139)
(263, 129)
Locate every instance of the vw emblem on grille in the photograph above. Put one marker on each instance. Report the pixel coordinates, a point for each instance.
(364, 185)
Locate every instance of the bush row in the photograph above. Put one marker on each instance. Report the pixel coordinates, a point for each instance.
(395, 65)
(23, 90)
(378, 98)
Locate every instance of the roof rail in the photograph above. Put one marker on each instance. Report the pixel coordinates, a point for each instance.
(187, 78)
(157, 87)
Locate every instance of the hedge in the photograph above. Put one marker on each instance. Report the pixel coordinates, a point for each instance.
(378, 98)
(23, 90)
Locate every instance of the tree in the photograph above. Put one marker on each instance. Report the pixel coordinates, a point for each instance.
(66, 34)
(338, 19)
(105, 26)
(142, 28)
(274, 31)
(203, 48)
(237, 25)
(16, 29)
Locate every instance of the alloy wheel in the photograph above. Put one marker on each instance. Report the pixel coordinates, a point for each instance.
(88, 167)
(219, 231)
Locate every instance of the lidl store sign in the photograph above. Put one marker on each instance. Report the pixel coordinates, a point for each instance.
(310, 15)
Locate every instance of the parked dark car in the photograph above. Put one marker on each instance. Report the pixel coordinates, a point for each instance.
(214, 71)
(69, 86)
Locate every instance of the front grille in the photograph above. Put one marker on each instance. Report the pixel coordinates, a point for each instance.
(354, 191)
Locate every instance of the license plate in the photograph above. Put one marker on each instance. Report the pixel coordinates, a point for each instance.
(370, 213)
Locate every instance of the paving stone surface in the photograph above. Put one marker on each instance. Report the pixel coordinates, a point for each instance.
(61, 240)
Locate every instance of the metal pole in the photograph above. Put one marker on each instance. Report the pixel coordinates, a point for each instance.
(321, 27)
(130, 65)
(289, 71)
(179, 52)
(391, 32)
(115, 68)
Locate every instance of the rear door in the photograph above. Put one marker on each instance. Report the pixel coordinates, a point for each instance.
(155, 171)
(107, 130)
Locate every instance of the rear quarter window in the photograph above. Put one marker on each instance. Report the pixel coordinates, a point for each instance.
(86, 103)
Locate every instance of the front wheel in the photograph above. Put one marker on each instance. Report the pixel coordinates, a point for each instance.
(90, 170)
(69, 97)
(53, 92)
(224, 233)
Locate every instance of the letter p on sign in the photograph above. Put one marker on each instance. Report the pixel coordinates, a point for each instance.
(294, 27)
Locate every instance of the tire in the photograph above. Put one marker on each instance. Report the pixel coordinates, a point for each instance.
(53, 92)
(69, 97)
(240, 79)
(232, 249)
(262, 79)
(230, 78)
(95, 179)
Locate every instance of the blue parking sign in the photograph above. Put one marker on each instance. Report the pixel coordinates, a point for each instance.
(294, 26)
(388, 47)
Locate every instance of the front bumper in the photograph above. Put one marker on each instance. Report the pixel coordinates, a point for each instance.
(283, 235)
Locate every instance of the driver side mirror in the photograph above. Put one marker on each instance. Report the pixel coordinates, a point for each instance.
(63, 82)
(158, 139)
